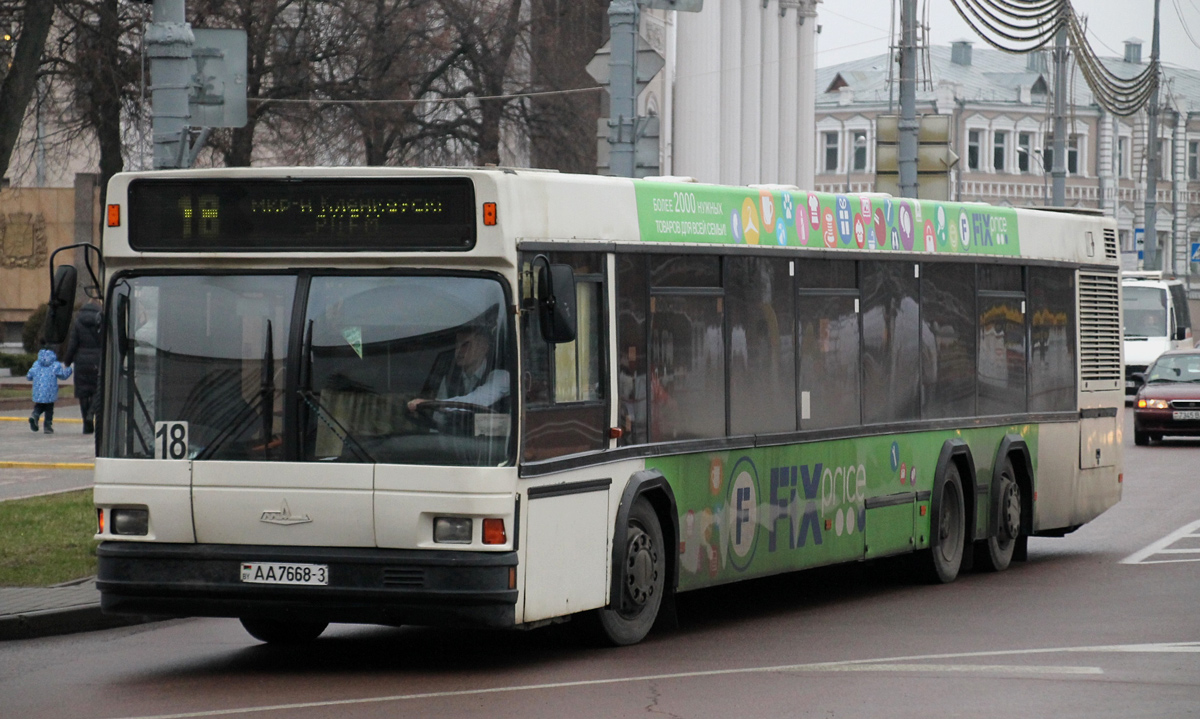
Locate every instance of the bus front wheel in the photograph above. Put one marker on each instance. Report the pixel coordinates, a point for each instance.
(643, 580)
(278, 631)
(948, 529)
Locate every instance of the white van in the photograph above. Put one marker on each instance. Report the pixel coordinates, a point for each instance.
(1156, 319)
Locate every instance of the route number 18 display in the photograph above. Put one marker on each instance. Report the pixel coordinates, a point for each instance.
(170, 440)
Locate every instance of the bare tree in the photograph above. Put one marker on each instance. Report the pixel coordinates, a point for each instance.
(21, 77)
(488, 35)
(96, 62)
(377, 77)
(277, 67)
(565, 34)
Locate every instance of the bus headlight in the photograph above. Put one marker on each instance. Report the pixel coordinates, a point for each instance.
(452, 530)
(130, 521)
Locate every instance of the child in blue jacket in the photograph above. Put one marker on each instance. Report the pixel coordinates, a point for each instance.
(45, 374)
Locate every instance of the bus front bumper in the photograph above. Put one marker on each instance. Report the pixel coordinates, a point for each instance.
(365, 585)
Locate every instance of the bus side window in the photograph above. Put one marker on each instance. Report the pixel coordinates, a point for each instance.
(564, 383)
(632, 303)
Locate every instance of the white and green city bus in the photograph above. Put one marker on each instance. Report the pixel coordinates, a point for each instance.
(505, 397)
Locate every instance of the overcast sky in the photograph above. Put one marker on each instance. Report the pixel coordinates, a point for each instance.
(854, 29)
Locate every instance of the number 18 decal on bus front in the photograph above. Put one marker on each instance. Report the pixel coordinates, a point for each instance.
(170, 440)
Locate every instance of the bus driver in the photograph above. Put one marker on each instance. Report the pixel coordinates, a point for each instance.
(473, 378)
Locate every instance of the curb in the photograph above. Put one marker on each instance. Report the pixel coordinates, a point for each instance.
(46, 465)
(51, 622)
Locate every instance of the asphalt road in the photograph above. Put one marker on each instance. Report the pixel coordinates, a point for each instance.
(1102, 623)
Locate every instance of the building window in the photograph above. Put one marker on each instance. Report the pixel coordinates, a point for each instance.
(831, 151)
(1194, 160)
(1073, 155)
(973, 142)
(1024, 148)
(1000, 149)
(859, 143)
(1122, 157)
(1048, 154)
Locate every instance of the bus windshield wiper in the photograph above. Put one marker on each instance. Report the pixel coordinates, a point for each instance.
(339, 429)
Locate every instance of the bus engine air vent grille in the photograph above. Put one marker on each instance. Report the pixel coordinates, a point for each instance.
(1110, 244)
(1099, 331)
(410, 577)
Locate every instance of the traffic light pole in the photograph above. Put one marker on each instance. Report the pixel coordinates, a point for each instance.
(908, 126)
(1058, 171)
(169, 41)
(1152, 259)
(622, 123)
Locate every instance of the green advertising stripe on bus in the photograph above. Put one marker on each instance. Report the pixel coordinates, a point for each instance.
(713, 214)
(761, 511)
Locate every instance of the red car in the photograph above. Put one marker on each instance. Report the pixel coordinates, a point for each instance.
(1168, 401)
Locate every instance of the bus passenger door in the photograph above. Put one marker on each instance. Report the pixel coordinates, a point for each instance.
(565, 395)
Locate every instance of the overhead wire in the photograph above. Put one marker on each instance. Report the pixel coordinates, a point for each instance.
(1183, 22)
(1023, 26)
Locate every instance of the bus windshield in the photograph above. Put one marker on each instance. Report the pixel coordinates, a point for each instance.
(1145, 311)
(382, 369)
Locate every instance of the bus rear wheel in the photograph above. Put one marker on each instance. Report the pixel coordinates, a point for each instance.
(995, 553)
(279, 631)
(947, 528)
(643, 580)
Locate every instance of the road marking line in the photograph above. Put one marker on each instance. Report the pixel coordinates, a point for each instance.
(982, 668)
(866, 664)
(47, 465)
(68, 420)
(1156, 547)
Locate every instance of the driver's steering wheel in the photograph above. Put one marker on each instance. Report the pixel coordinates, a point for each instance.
(425, 410)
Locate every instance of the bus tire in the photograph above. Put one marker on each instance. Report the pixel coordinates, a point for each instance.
(279, 631)
(947, 528)
(995, 553)
(643, 580)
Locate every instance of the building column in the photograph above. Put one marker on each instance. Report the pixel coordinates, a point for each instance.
(1179, 190)
(806, 143)
(1104, 164)
(731, 87)
(789, 64)
(771, 58)
(1138, 156)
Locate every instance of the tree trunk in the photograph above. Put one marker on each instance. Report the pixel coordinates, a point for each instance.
(108, 97)
(22, 76)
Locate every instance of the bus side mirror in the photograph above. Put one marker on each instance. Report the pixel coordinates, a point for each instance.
(62, 304)
(556, 301)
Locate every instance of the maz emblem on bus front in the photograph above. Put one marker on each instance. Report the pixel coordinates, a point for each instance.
(284, 516)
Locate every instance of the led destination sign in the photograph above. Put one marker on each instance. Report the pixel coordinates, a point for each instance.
(231, 215)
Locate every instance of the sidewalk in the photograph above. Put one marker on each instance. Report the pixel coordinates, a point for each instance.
(37, 464)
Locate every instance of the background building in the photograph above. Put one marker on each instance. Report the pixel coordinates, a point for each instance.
(1002, 130)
